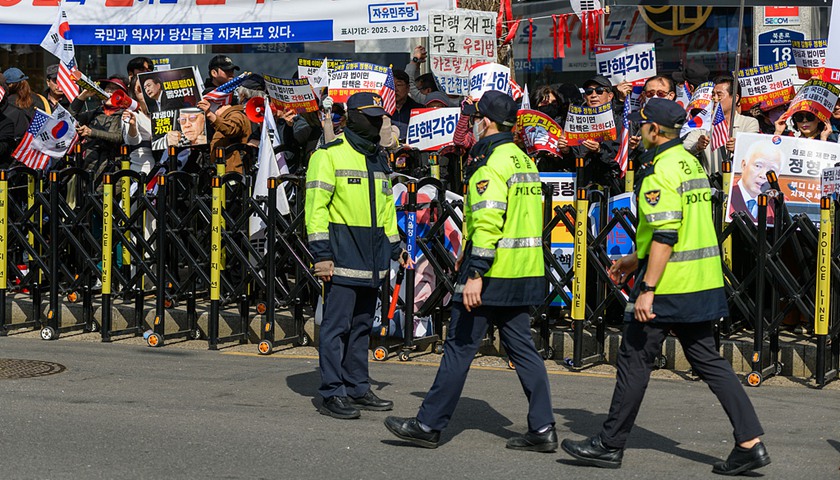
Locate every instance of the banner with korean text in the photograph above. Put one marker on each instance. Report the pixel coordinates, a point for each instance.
(459, 39)
(292, 94)
(308, 67)
(590, 123)
(817, 97)
(354, 77)
(809, 56)
(179, 22)
(702, 97)
(430, 129)
(488, 76)
(767, 86)
(166, 93)
(562, 185)
(626, 63)
(539, 131)
(798, 163)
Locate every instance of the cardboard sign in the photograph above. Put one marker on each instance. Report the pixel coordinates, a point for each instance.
(294, 94)
(702, 97)
(590, 123)
(809, 56)
(488, 76)
(458, 40)
(767, 86)
(626, 63)
(798, 162)
(166, 92)
(430, 129)
(539, 131)
(355, 77)
(817, 97)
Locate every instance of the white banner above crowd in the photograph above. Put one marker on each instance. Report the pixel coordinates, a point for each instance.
(174, 22)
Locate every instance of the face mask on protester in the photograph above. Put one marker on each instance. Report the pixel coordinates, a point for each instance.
(479, 129)
(364, 126)
(551, 109)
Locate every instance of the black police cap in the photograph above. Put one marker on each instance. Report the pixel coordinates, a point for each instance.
(368, 103)
(495, 105)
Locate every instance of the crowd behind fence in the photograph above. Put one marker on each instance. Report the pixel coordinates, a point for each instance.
(204, 242)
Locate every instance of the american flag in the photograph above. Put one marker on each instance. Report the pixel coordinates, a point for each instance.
(720, 129)
(67, 80)
(515, 90)
(622, 158)
(2, 93)
(223, 94)
(24, 152)
(388, 94)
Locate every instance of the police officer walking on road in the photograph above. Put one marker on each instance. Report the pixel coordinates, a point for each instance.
(352, 232)
(500, 275)
(679, 288)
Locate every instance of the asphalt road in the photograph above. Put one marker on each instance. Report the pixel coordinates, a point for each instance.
(129, 411)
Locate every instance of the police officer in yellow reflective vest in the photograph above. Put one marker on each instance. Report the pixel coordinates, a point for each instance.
(501, 274)
(352, 231)
(679, 288)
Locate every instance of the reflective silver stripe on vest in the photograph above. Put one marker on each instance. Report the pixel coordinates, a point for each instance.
(694, 254)
(489, 204)
(351, 173)
(655, 217)
(314, 237)
(520, 242)
(394, 238)
(695, 184)
(523, 178)
(322, 185)
(484, 252)
(351, 273)
(380, 176)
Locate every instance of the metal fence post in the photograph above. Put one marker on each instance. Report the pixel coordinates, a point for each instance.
(107, 251)
(4, 238)
(50, 330)
(823, 286)
(579, 265)
(215, 263)
(629, 177)
(267, 336)
(159, 325)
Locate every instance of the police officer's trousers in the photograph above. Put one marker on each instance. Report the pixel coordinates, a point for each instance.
(466, 331)
(641, 344)
(344, 338)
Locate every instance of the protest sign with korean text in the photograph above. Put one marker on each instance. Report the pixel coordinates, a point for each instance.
(458, 40)
(165, 93)
(832, 54)
(308, 67)
(767, 86)
(432, 128)
(562, 186)
(809, 56)
(626, 63)
(539, 131)
(488, 76)
(702, 97)
(830, 182)
(817, 97)
(798, 163)
(354, 77)
(292, 94)
(590, 123)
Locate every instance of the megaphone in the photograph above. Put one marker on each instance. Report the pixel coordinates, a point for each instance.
(120, 99)
(255, 109)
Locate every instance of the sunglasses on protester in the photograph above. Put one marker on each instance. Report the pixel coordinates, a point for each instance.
(598, 90)
(658, 93)
(804, 117)
(191, 118)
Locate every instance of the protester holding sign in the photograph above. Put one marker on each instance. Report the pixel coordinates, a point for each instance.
(100, 128)
(7, 130)
(806, 125)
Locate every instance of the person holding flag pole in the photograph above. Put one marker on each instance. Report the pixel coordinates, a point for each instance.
(58, 43)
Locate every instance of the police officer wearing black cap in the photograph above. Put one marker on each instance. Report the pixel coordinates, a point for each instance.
(352, 232)
(501, 274)
(221, 70)
(679, 288)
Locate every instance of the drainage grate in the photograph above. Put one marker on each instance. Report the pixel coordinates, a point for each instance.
(11, 368)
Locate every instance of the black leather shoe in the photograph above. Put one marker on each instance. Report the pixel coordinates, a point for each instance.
(592, 451)
(370, 401)
(339, 407)
(742, 460)
(408, 429)
(535, 442)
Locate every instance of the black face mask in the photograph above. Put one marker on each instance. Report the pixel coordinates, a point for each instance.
(551, 109)
(364, 126)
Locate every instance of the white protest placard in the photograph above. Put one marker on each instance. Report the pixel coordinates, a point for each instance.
(580, 6)
(798, 163)
(809, 56)
(459, 39)
(702, 96)
(817, 97)
(767, 86)
(830, 182)
(432, 128)
(488, 76)
(308, 67)
(590, 123)
(355, 77)
(292, 94)
(832, 53)
(626, 63)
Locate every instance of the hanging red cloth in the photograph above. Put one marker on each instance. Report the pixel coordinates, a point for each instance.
(530, 37)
